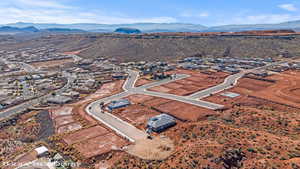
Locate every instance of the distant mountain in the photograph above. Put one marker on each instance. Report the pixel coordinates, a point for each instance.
(151, 27)
(128, 31)
(32, 29)
(295, 25)
(144, 27)
(13, 30)
(62, 30)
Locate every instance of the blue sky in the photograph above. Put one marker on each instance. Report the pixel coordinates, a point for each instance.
(206, 12)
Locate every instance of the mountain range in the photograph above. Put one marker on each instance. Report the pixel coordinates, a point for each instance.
(33, 29)
(21, 27)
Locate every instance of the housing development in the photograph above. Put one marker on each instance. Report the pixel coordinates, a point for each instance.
(68, 102)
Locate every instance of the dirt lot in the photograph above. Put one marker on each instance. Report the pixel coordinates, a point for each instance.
(185, 112)
(63, 119)
(182, 111)
(106, 90)
(100, 145)
(136, 115)
(285, 90)
(157, 149)
(17, 137)
(142, 81)
(63, 111)
(85, 134)
(262, 131)
(51, 63)
(198, 81)
(138, 98)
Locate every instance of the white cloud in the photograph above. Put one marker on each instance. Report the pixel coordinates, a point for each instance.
(288, 7)
(204, 14)
(43, 4)
(62, 16)
(190, 14)
(55, 11)
(265, 19)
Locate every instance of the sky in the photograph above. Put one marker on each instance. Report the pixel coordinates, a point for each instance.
(205, 12)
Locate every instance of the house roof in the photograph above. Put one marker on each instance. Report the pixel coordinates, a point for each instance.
(160, 120)
(41, 150)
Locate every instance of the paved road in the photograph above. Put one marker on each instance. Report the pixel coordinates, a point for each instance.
(119, 126)
(229, 82)
(24, 106)
(164, 81)
(130, 82)
(184, 99)
(125, 129)
(130, 132)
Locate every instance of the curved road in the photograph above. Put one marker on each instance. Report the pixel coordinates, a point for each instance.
(229, 82)
(132, 133)
(124, 128)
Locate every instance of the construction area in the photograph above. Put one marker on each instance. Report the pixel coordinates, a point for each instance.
(63, 120)
(181, 111)
(94, 141)
(196, 82)
(281, 88)
(268, 104)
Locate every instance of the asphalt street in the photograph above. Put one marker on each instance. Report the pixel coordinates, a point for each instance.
(24, 106)
(229, 82)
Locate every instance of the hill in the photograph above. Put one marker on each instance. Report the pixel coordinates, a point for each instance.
(144, 27)
(14, 30)
(128, 31)
(162, 27)
(32, 29)
(295, 25)
(167, 46)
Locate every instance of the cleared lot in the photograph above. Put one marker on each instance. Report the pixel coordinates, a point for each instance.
(94, 141)
(196, 82)
(100, 145)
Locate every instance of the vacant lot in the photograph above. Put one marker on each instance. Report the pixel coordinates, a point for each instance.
(51, 63)
(100, 145)
(198, 81)
(63, 119)
(285, 90)
(85, 134)
(181, 111)
(136, 115)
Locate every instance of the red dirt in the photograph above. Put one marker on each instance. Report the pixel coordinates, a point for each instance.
(155, 102)
(252, 85)
(68, 128)
(63, 111)
(198, 81)
(138, 98)
(160, 89)
(282, 91)
(136, 115)
(185, 112)
(63, 120)
(85, 134)
(142, 81)
(100, 145)
(262, 127)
